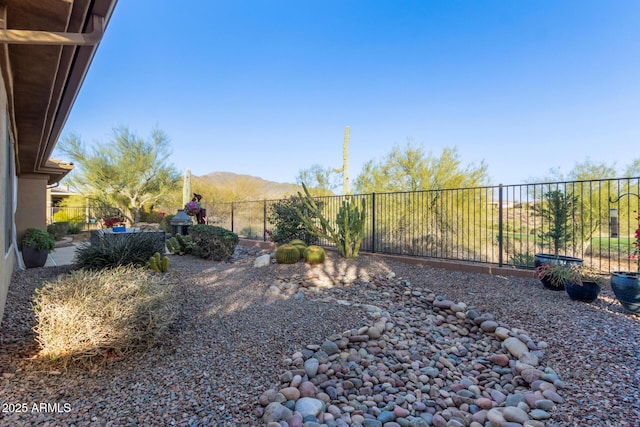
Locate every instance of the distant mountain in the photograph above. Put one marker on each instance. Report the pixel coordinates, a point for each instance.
(250, 185)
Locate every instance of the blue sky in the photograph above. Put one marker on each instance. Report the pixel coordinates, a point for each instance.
(266, 88)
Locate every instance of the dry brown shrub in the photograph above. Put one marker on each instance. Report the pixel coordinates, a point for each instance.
(88, 315)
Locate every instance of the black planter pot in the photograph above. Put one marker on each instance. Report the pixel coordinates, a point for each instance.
(553, 259)
(588, 292)
(33, 257)
(626, 287)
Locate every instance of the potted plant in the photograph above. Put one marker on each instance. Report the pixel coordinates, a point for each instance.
(36, 245)
(625, 284)
(115, 222)
(581, 283)
(558, 210)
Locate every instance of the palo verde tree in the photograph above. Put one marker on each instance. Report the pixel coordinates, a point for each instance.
(411, 169)
(320, 181)
(127, 172)
(424, 177)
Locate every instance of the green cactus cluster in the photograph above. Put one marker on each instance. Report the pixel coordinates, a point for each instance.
(287, 254)
(351, 221)
(300, 245)
(158, 263)
(314, 255)
(180, 245)
(346, 232)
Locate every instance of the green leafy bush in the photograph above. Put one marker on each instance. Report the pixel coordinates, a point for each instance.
(74, 228)
(522, 259)
(38, 238)
(84, 315)
(58, 229)
(287, 224)
(112, 250)
(212, 242)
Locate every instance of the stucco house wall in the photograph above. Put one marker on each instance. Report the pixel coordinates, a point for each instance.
(7, 182)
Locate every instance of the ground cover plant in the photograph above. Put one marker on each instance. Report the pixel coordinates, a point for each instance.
(86, 315)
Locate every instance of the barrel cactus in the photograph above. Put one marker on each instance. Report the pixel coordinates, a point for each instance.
(314, 255)
(302, 246)
(287, 254)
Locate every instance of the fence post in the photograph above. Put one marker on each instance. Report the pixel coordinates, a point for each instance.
(264, 221)
(500, 226)
(232, 207)
(373, 222)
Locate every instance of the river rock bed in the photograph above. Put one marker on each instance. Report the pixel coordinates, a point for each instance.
(422, 360)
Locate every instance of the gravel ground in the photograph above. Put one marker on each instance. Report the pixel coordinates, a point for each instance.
(238, 327)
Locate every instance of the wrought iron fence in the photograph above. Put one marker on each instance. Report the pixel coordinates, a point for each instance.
(505, 225)
(80, 218)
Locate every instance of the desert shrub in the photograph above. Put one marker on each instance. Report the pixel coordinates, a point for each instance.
(287, 224)
(522, 259)
(249, 233)
(108, 250)
(212, 242)
(74, 228)
(152, 217)
(58, 229)
(165, 224)
(92, 314)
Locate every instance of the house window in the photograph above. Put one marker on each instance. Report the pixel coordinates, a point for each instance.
(8, 195)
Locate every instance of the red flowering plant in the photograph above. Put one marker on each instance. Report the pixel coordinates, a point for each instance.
(636, 244)
(113, 220)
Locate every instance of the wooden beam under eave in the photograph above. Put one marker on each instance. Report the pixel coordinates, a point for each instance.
(54, 38)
